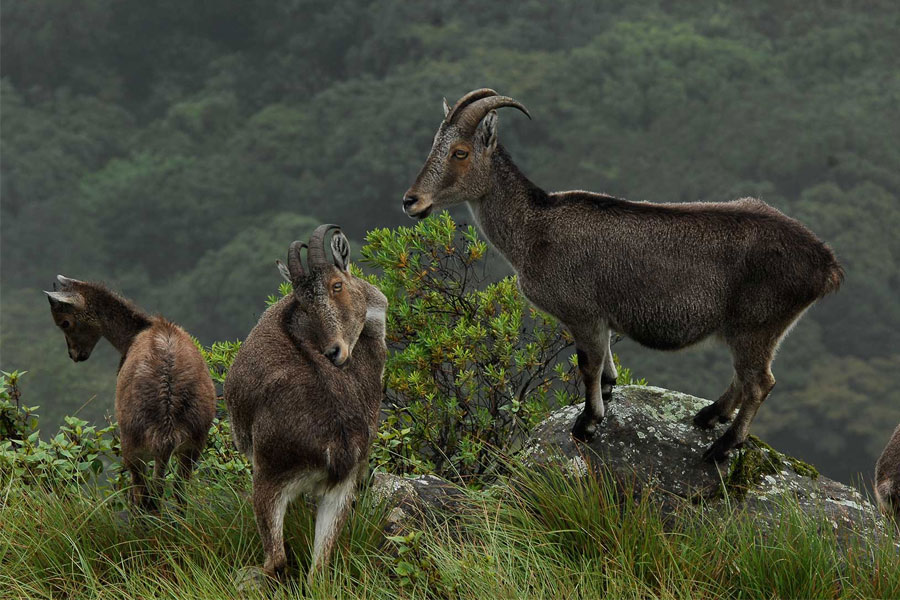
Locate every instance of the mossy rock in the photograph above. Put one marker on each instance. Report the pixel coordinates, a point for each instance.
(648, 437)
(753, 462)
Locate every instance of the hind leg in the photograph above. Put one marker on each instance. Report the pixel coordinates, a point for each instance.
(722, 410)
(140, 494)
(754, 381)
(158, 485)
(187, 459)
(270, 501)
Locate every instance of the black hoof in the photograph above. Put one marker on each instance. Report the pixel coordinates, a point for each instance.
(708, 417)
(584, 429)
(606, 388)
(721, 448)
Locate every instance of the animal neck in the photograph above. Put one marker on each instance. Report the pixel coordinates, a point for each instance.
(503, 212)
(120, 320)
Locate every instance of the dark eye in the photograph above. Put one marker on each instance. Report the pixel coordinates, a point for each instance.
(64, 325)
(460, 153)
(337, 287)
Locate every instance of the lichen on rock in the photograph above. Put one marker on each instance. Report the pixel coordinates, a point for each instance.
(648, 437)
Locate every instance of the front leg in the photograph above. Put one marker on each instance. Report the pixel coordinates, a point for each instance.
(334, 508)
(269, 506)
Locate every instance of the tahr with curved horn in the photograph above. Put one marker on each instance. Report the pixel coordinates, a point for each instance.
(666, 275)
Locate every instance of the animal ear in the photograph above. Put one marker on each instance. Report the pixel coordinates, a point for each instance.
(446, 108)
(340, 250)
(282, 268)
(488, 128)
(65, 299)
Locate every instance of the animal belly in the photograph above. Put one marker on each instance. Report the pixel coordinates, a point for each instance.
(668, 334)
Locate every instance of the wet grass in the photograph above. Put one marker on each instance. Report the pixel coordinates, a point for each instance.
(543, 535)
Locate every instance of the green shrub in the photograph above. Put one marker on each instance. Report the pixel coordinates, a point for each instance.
(81, 454)
(76, 455)
(472, 367)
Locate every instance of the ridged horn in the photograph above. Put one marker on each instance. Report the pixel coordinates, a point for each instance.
(472, 115)
(316, 253)
(295, 261)
(466, 100)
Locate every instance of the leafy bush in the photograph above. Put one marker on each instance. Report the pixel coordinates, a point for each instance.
(76, 455)
(82, 454)
(472, 367)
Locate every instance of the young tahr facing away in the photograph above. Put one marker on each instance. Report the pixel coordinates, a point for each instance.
(666, 275)
(304, 394)
(165, 399)
(887, 478)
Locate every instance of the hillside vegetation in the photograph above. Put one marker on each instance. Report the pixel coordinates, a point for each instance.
(471, 370)
(173, 149)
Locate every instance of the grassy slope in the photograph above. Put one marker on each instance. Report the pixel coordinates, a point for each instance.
(554, 538)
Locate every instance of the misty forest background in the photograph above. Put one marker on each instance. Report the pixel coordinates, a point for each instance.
(173, 149)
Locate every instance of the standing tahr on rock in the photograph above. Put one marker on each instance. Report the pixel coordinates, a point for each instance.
(165, 399)
(304, 394)
(666, 275)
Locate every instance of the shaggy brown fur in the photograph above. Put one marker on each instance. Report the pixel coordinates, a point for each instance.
(304, 393)
(887, 478)
(666, 275)
(165, 399)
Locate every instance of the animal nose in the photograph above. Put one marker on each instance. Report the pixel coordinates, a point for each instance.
(409, 200)
(333, 353)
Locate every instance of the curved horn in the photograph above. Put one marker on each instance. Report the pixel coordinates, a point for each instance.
(466, 100)
(295, 262)
(316, 253)
(475, 112)
(66, 282)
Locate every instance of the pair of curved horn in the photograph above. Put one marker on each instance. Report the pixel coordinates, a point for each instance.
(315, 252)
(469, 110)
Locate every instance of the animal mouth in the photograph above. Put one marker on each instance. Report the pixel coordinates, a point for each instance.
(422, 213)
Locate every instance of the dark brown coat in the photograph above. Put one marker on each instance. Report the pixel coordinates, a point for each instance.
(165, 399)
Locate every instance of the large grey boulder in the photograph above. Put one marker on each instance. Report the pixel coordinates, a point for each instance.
(414, 501)
(648, 440)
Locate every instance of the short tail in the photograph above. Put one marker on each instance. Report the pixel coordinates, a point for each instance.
(835, 278)
(887, 494)
(166, 414)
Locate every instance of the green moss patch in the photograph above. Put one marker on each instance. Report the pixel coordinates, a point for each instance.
(756, 460)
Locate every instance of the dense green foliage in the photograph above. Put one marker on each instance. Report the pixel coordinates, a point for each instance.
(174, 149)
(471, 367)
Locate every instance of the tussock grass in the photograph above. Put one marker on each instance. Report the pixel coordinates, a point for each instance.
(544, 535)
